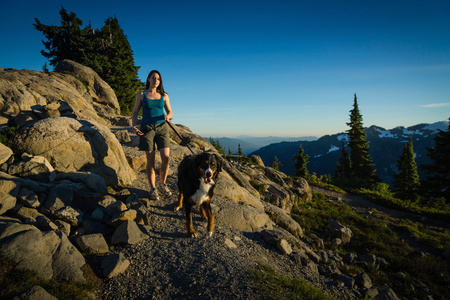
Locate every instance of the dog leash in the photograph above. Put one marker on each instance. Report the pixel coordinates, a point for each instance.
(171, 126)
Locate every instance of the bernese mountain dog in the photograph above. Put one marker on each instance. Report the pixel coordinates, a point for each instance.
(196, 179)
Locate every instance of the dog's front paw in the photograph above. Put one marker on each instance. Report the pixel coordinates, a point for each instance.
(210, 233)
(193, 235)
(177, 208)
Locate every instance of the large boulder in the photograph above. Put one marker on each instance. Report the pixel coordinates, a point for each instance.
(27, 96)
(72, 145)
(8, 193)
(275, 176)
(5, 153)
(281, 197)
(49, 254)
(33, 167)
(128, 233)
(302, 189)
(242, 217)
(337, 230)
(103, 97)
(92, 243)
(114, 264)
(25, 182)
(93, 181)
(282, 219)
(240, 178)
(229, 189)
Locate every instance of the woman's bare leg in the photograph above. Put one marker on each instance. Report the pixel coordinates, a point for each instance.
(164, 170)
(151, 168)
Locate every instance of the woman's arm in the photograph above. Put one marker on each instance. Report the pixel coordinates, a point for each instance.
(137, 107)
(167, 108)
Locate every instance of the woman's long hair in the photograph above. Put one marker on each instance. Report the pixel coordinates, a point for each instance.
(160, 88)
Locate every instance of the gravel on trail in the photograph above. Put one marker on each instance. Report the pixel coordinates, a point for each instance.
(170, 265)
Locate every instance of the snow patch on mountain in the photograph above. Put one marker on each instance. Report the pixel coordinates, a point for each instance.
(333, 148)
(435, 127)
(384, 133)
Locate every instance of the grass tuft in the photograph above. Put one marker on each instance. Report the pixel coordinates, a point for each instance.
(276, 286)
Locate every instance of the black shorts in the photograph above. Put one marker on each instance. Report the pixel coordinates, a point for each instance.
(156, 135)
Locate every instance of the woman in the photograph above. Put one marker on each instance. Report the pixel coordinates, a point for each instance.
(154, 130)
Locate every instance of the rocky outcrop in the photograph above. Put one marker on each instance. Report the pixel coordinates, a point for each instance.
(100, 94)
(50, 254)
(61, 118)
(229, 189)
(269, 184)
(27, 96)
(72, 145)
(52, 187)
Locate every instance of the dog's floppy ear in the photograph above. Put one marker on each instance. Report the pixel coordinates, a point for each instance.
(219, 162)
(199, 158)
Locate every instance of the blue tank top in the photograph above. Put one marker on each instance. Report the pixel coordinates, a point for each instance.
(152, 111)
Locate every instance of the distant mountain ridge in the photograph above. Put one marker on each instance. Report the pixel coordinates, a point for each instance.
(250, 144)
(385, 147)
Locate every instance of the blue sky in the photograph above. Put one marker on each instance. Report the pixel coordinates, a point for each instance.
(261, 68)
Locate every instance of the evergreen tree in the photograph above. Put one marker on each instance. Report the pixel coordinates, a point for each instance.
(276, 164)
(438, 179)
(240, 150)
(106, 51)
(217, 145)
(362, 167)
(67, 41)
(45, 68)
(343, 165)
(407, 181)
(117, 64)
(301, 161)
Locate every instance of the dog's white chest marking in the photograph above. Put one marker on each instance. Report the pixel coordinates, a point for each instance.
(201, 195)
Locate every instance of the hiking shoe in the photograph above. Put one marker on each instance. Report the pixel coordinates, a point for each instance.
(165, 190)
(153, 194)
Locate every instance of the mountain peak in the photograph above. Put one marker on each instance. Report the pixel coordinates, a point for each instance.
(385, 148)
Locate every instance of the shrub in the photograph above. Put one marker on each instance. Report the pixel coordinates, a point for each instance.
(6, 137)
(276, 286)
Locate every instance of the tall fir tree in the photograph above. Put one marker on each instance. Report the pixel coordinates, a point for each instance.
(343, 165)
(301, 162)
(118, 68)
(407, 181)
(67, 41)
(438, 173)
(362, 167)
(106, 51)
